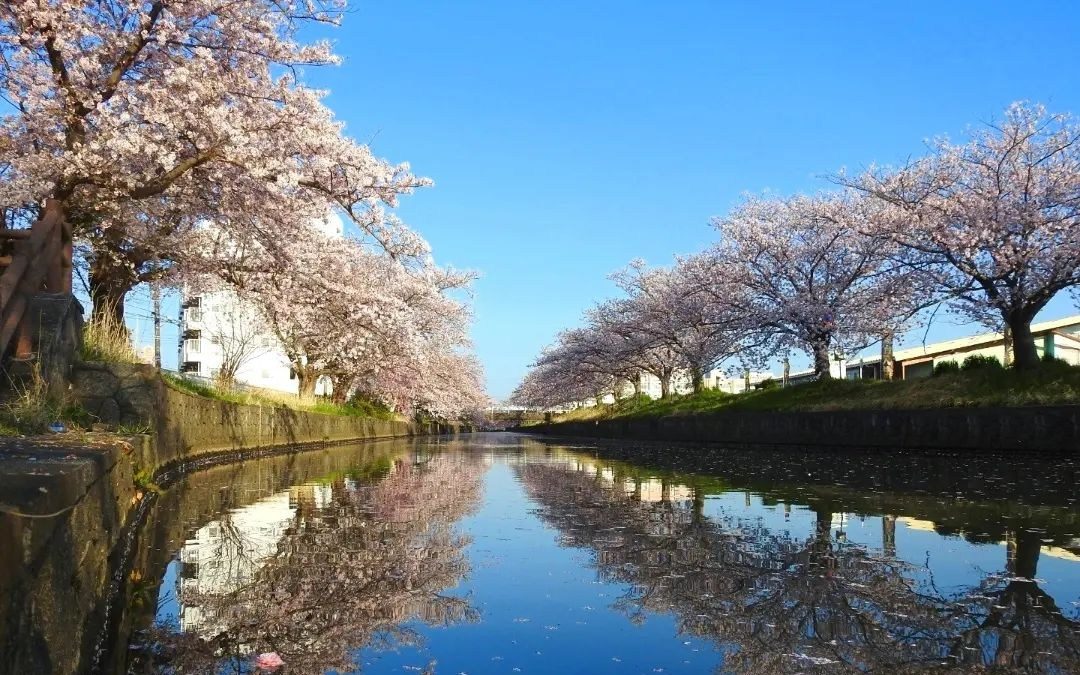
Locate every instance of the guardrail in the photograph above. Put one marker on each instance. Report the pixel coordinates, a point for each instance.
(33, 260)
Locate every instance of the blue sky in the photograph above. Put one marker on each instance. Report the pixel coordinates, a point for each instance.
(566, 138)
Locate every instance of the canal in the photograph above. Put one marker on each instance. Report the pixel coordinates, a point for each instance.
(503, 553)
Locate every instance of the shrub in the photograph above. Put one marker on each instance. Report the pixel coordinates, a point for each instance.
(946, 368)
(1055, 362)
(768, 383)
(365, 406)
(980, 362)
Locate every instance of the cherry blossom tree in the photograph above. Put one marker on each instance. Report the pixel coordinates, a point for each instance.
(634, 346)
(663, 325)
(142, 118)
(668, 306)
(424, 364)
(435, 378)
(996, 218)
(387, 328)
(582, 364)
(806, 274)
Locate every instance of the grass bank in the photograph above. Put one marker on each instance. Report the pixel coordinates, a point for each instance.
(355, 408)
(1052, 384)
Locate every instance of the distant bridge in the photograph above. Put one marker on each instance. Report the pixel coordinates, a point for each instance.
(504, 418)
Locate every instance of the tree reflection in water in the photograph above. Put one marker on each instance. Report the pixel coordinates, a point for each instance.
(350, 566)
(779, 603)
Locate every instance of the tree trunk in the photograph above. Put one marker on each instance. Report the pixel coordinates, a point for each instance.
(665, 385)
(108, 287)
(1025, 356)
(340, 394)
(305, 380)
(888, 362)
(888, 535)
(636, 382)
(1008, 339)
(697, 378)
(822, 524)
(820, 547)
(821, 359)
(1022, 553)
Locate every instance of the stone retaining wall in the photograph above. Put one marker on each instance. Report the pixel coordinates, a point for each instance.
(192, 425)
(186, 426)
(1035, 428)
(55, 568)
(78, 492)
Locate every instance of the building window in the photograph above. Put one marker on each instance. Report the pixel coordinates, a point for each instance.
(193, 345)
(194, 314)
(265, 341)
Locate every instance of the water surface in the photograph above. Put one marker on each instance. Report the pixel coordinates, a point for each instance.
(501, 553)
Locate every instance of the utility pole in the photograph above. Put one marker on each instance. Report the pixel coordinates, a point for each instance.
(155, 294)
(180, 339)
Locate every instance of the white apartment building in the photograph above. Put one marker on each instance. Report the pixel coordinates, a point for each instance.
(225, 555)
(217, 324)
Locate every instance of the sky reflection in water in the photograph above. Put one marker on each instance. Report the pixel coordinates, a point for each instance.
(503, 554)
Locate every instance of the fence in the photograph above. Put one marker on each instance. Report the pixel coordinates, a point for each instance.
(33, 260)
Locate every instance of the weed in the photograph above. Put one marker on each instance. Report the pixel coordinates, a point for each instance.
(144, 480)
(31, 409)
(106, 339)
(134, 429)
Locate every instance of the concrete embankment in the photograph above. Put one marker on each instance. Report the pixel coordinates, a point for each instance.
(1035, 428)
(67, 504)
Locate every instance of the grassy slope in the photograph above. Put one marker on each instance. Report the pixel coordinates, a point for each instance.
(354, 409)
(1053, 384)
